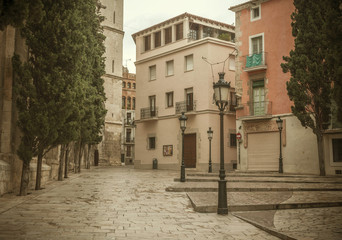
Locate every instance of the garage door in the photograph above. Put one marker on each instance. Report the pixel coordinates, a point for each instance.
(263, 151)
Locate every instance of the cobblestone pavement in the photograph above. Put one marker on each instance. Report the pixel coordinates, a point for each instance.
(115, 203)
(306, 224)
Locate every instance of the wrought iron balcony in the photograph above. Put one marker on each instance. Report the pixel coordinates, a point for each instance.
(257, 109)
(146, 113)
(256, 61)
(129, 140)
(129, 121)
(185, 107)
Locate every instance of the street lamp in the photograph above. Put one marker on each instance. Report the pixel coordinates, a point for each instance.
(210, 136)
(221, 95)
(280, 127)
(182, 121)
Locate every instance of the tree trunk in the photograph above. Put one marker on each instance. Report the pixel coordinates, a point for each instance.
(25, 178)
(80, 153)
(88, 155)
(76, 149)
(66, 161)
(61, 161)
(320, 154)
(39, 171)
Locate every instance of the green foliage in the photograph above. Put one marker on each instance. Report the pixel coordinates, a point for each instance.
(59, 90)
(16, 12)
(310, 85)
(225, 36)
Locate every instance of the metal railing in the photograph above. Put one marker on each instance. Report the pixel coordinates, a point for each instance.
(129, 140)
(254, 61)
(185, 107)
(263, 108)
(146, 113)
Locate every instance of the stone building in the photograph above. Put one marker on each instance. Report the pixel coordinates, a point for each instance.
(109, 150)
(263, 37)
(110, 147)
(173, 76)
(128, 116)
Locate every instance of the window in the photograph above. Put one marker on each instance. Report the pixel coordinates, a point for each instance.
(168, 35)
(123, 84)
(189, 63)
(194, 29)
(147, 41)
(128, 151)
(133, 85)
(128, 85)
(337, 149)
(128, 135)
(256, 44)
(153, 72)
(123, 102)
(179, 31)
(152, 100)
(258, 97)
(208, 32)
(114, 17)
(169, 99)
(189, 99)
(151, 143)
(112, 66)
(129, 116)
(129, 103)
(233, 140)
(169, 68)
(255, 13)
(133, 103)
(233, 101)
(157, 39)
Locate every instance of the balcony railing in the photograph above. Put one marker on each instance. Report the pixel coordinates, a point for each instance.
(129, 121)
(257, 109)
(129, 140)
(255, 61)
(185, 107)
(146, 113)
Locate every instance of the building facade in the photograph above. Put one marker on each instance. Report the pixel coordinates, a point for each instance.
(177, 62)
(110, 147)
(263, 37)
(128, 117)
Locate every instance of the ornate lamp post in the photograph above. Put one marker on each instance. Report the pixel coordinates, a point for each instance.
(210, 136)
(280, 127)
(182, 121)
(221, 95)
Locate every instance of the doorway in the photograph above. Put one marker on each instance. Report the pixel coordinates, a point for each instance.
(190, 150)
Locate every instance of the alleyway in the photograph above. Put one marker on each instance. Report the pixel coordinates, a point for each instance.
(115, 203)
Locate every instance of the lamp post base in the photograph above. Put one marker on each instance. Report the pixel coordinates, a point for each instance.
(182, 179)
(222, 197)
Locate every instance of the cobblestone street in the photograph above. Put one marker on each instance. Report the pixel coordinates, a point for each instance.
(115, 203)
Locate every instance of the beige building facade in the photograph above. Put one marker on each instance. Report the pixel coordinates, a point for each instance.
(177, 62)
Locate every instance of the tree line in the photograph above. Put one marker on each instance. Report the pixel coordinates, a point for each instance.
(58, 87)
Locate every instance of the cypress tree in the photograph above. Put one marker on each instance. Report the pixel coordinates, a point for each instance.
(311, 84)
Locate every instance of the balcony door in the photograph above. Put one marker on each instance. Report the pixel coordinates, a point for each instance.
(189, 100)
(152, 100)
(258, 97)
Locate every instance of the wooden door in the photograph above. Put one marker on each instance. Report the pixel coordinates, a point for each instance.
(190, 150)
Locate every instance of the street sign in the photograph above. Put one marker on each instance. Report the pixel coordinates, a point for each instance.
(238, 136)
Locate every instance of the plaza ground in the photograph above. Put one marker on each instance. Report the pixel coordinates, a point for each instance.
(125, 203)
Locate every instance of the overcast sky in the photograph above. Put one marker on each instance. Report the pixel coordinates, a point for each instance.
(141, 14)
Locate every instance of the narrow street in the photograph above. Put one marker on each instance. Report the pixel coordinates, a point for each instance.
(115, 203)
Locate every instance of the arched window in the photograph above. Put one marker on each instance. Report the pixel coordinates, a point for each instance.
(129, 103)
(133, 85)
(133, 104)
(128, 85)
(123, 84)
(123, 102)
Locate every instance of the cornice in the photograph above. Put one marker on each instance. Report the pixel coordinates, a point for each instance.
(187, 46)
(246, 5)
(114, 30)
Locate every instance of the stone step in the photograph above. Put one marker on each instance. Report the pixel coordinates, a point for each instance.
(257, 201)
